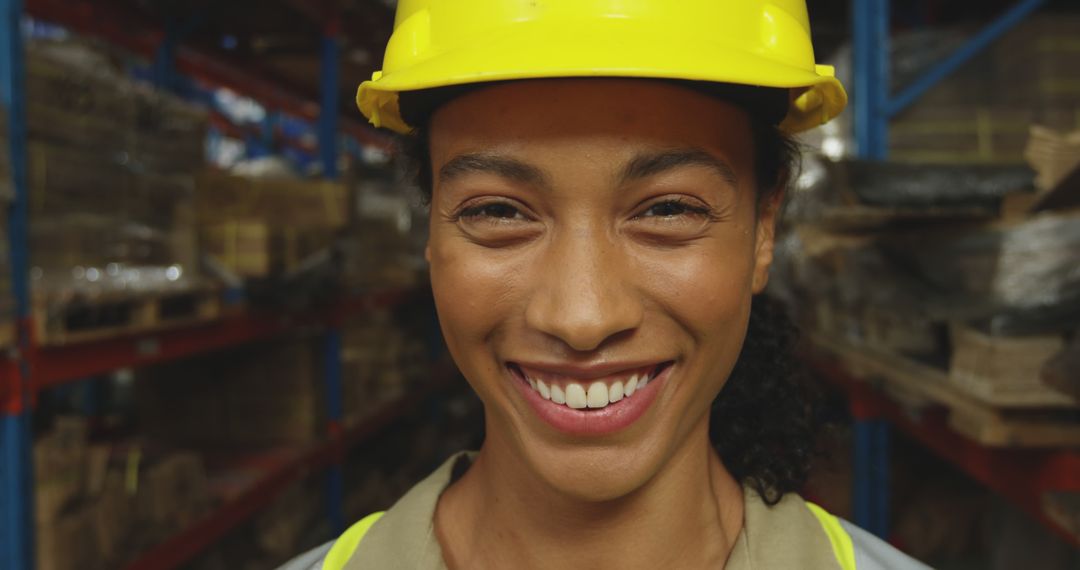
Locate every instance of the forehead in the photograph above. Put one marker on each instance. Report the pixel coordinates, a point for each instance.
(616, 114)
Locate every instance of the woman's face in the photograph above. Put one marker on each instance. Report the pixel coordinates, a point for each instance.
(589, 236)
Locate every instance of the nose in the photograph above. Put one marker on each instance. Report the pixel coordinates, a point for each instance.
(583, 292)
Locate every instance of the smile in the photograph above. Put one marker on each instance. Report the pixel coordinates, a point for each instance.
(590, 402)
(589, 394)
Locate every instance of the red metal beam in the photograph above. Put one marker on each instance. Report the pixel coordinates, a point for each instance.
(1022, 476)
(61, 364)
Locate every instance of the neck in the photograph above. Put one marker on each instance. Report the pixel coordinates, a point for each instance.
(687, 516)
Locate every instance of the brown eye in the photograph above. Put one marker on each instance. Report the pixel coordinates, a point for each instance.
(495, 210)
(674, 208)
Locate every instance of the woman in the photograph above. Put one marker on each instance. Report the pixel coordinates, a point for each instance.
(604, 179)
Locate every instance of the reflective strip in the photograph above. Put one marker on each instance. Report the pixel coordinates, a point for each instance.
(345, 546)
(840, 539)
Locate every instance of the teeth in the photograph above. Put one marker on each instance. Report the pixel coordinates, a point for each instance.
(557, 394)
(595, 395)
(575, 396)
(631, 386)
(615, 392)
(543, 389)
(598, 395)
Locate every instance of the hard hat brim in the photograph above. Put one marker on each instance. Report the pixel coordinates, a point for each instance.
(533, 52)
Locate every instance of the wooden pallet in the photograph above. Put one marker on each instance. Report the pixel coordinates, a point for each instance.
(918, 385)
(78, 319)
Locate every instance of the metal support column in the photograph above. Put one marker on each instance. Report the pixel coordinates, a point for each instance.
(165, 59)
(330, 101)
(328, 153)
(16, 466)
(871, 94)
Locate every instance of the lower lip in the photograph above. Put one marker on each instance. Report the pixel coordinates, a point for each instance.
(593, 422)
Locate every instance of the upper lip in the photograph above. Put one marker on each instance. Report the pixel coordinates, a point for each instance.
(586, 371)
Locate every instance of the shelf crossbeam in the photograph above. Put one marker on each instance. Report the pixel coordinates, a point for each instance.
(1021, 476)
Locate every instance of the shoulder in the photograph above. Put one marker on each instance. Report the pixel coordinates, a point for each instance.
(872, 553)
(796, 533)
(857, 549)
(402, 538)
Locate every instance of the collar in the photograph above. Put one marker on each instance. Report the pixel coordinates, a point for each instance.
(785, 535)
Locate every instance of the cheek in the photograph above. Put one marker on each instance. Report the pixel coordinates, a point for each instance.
(472, 294)
(702, 286)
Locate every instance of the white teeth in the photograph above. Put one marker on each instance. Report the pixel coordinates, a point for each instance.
(615, 392)
(575, 396)
(543, 389)
(594, 395)
(631, 386)
(557, 394)
(598, 395)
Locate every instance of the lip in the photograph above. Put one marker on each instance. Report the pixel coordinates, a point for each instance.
(592, 423)
(585, 372)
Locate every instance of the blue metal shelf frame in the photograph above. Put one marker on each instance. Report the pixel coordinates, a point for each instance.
(16, 465)
(328, 153)
(874, 106)
(16, 477)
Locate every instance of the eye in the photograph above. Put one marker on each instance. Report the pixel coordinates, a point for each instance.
(492, 211)
(672, 208)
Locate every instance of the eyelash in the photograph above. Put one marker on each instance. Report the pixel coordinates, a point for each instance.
(489, 210)
(685, 206)
(484, 210)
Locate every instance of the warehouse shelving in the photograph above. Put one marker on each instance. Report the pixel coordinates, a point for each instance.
(28, 368)
(873, 107)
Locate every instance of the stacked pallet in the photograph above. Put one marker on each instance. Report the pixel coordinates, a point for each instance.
(97, 504)
(253, 396)
(111, 167)
(959, 282)
(380, 361)
(273, 393)
(267, 227)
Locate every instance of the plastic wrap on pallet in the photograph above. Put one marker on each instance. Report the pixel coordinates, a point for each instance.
(111, 168)
(1012, 280)
(891, 184)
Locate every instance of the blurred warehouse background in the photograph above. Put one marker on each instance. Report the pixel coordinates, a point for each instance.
(229, 350)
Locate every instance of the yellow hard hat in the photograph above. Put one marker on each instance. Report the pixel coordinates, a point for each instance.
(766, 43)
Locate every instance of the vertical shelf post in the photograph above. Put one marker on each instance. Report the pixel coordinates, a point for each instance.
(871, 453)
(870, 19)
(328, 154)
(16, 465)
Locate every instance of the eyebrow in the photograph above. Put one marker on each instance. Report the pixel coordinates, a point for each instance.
(652, 164)
(504, 167)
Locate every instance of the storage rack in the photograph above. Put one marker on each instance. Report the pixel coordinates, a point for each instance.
(1020, 476)
(28, 368)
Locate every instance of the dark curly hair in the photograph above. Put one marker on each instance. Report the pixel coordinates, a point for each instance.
(763, 423)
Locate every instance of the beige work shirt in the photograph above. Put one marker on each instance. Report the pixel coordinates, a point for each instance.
(786, 535)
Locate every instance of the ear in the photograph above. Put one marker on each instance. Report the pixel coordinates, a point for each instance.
(427, 252)
(765, 242)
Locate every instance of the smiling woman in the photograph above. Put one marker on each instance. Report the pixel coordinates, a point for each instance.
(601, 223)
